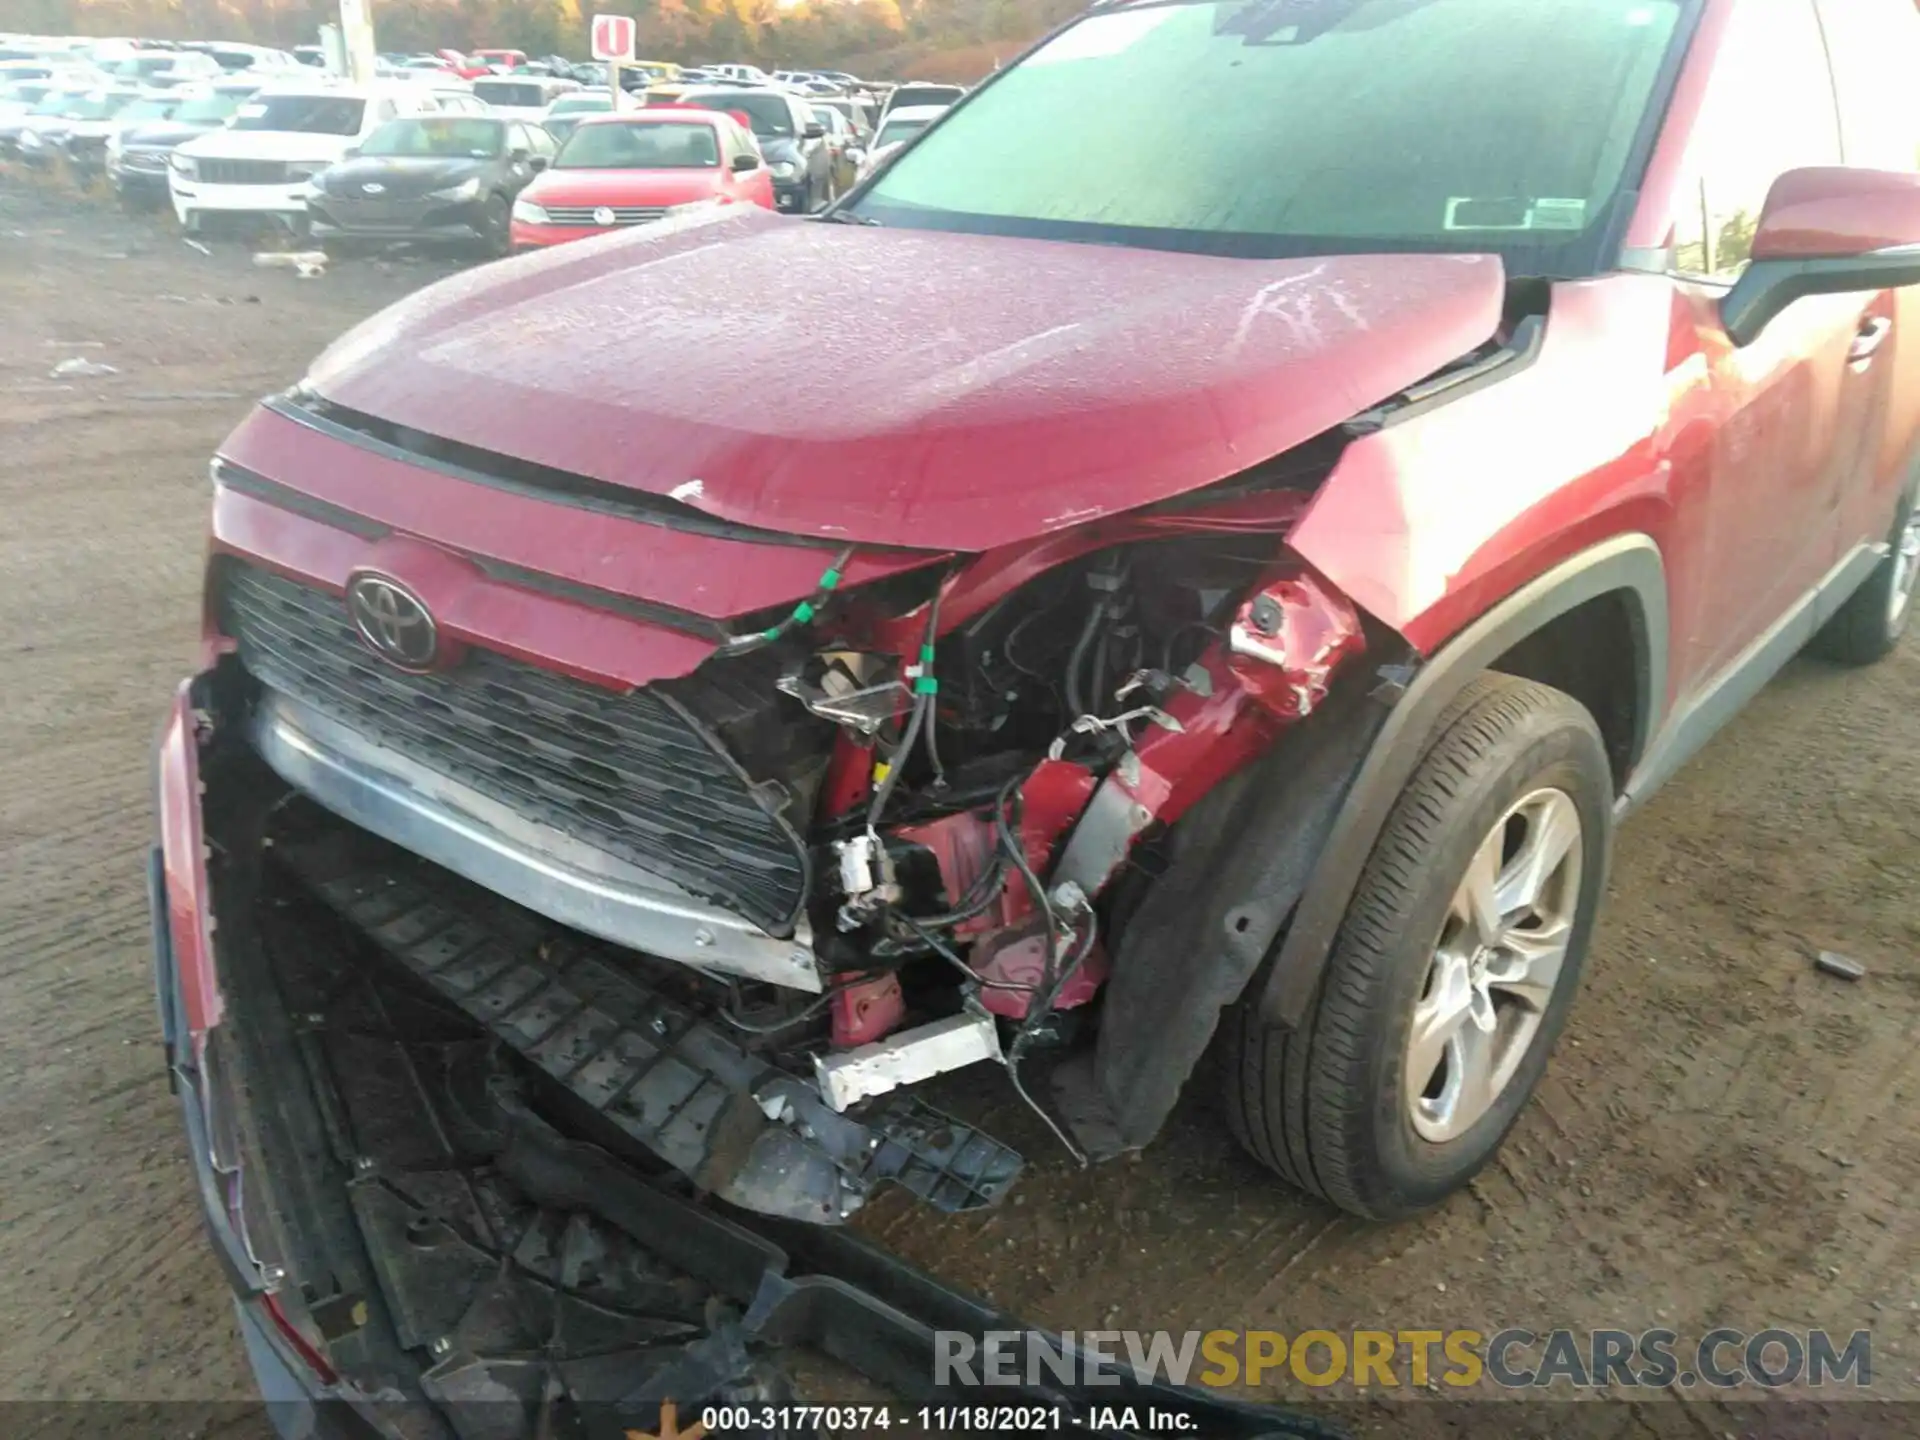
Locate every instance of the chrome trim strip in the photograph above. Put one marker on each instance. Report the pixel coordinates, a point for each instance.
(533, 865)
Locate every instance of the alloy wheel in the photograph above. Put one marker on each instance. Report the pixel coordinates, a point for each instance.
(1496, 964)
(1906, 568)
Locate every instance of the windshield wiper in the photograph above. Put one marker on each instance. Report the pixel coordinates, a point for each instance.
(845, 217)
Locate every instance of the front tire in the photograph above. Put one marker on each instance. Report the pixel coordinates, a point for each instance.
(1870, 624)
(1453, 970)
(496, 228)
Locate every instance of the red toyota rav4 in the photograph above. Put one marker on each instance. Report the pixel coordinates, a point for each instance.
(1251, 556)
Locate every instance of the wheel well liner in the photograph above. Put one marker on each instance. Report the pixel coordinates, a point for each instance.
(1594, 652)
(1628, 568)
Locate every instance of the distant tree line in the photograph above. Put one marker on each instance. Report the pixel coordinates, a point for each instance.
(915, 35)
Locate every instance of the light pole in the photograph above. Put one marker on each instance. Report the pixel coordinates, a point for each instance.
(356, 33)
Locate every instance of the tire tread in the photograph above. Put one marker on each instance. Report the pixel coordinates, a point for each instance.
(1297, 1102)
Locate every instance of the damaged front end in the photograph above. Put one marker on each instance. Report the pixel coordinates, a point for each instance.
(910, 824)
(430, 1231)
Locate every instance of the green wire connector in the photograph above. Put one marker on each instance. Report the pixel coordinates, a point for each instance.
(924, 683)
(806, 610)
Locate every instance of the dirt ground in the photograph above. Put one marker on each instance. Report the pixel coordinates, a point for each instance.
(1726, 1137)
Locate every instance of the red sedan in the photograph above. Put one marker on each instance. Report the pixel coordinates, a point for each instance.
(629, 169)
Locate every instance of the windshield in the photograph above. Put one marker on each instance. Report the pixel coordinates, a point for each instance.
(304, 114)
(517, 93)
(207, 109)
(894, 131)
(928, 94)
(640, 146)
(447, 136)
(580, 104)
(146, 109)
(142, 64)
(767, 113)
(1306, 126)
(97, 107)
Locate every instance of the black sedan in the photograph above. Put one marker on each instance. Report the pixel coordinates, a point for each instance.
(429, 178)
(137, 157)
(791, 138)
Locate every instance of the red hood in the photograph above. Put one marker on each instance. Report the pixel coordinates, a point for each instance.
(622, 187)
(904, 387)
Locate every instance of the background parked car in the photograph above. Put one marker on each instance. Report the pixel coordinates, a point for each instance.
(164, 68)
(260, 163)
(18, 99)
(566, 113)
(916, 94)
(430, 178)
(50, 105)
(501, 61)
(860, 116)
(844, 149)
(631, 168)
(239, 59)
(900, 126)
(522, 97)
(136, 157)
(84, 143)
(41, 139)
(793, 141)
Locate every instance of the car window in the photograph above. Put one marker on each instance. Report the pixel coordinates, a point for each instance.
(308, 114)
(640, 147)
(147, 108)
(208, 109)
(893, 132)
(1447, 125)
(462, 136)
(516, 94)
(539, 142)
(1875, 48)
(766, 112)
(1769, 108)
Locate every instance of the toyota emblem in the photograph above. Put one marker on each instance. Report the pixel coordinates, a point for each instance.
(603, 216)
(392, 620)
(373, 187)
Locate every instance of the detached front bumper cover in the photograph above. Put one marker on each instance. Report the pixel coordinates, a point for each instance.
(792, 1283)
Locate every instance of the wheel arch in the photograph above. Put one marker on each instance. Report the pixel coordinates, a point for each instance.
(1624, 575)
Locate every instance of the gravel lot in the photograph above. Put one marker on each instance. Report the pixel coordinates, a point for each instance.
(1726, 1136)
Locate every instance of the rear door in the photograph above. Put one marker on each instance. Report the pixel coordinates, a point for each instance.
(1785, 407)
(1875, 49)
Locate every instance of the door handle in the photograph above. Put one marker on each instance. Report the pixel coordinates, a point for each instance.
(1870, 337)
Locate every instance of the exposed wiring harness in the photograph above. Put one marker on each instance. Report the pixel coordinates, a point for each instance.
(1010, 842)
(926, 691)
(802, 614)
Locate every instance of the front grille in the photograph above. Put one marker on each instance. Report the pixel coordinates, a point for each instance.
(633, 774)
(242, 172)
(622, 214)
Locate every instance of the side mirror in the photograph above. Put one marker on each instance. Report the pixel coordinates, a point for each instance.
(537, 163)
(813, 131)
(1826, 230)
(352, 152)
(741, 164)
